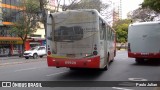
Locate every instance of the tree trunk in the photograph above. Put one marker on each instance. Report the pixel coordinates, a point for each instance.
(21, 52)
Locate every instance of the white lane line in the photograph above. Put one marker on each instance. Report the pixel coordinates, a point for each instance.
(122, 54)
(121, 88)
(137, 79)
(27, 69)
(56, 73)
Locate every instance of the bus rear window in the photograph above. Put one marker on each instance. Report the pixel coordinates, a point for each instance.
(68, 34)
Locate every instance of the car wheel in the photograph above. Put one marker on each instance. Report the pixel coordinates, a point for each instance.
(41, 56)
(35, 56)
(27, 57)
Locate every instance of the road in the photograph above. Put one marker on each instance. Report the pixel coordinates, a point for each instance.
(121, 69)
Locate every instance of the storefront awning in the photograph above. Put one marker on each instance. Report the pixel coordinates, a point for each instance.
(10, 40)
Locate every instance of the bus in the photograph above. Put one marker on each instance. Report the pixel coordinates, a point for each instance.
(79, 39)
(143, 41)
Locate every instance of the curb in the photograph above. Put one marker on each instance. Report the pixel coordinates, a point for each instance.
(14, 63)
(6, 58)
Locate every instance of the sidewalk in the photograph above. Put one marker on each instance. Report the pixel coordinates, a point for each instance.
(11, 57)
(18, 60)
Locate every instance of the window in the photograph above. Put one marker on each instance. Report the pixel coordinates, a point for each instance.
(68, 33)
(41, 48)
(101, 29)
(104, 31)
(35, 35)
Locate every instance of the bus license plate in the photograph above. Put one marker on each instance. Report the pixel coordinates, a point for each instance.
(70, 62)
(70, 55)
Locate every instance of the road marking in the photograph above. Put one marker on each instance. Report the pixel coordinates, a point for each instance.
(137, 79)
(27, 69)
(56, 73)
(125, 58)
(126, 84)
(14, 63)
(121, 88)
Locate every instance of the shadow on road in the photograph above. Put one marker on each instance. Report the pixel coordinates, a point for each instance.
(81, 75)
(153, 62)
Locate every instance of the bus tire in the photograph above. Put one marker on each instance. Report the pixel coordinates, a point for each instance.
(72, 68)
(107, 65)
(139, 60)
(105, 68)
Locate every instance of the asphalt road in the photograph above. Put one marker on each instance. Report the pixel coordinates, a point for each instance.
(121, 69)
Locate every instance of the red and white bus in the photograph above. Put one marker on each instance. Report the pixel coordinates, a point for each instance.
(143, 41)
(79, 39)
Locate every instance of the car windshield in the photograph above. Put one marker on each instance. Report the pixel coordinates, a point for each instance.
(34, 48)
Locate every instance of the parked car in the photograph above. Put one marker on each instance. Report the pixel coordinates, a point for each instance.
(35, 52)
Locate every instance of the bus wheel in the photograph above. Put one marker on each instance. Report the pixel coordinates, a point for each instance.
(106, 67)
(139, 60)
(73, 68)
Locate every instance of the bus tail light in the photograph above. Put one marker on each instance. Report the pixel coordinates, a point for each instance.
(95, 50)
(129, 47)
(49, 52)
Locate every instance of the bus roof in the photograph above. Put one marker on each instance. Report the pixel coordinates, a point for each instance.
(86, 10)
(145, 23)
(78, 10)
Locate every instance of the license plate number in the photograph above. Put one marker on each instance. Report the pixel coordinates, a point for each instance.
(70, 55)
(70, 62)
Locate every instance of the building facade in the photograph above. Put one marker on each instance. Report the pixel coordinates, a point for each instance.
(9, 43)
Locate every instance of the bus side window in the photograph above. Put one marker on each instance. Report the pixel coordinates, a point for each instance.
(104, 30)
(108, 33)
(101, 29)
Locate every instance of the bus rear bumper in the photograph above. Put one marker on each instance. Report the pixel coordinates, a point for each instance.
(144, 55)
(93, 62)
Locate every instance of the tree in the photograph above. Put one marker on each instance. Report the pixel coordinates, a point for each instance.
(121, 28)
(152, 4)
(27, 21)
(87, 4)
(93, 4)
(43, 8)
(143, 15)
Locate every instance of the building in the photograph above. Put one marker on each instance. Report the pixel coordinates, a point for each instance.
(38, 38)
(117, 10)
(9, 44)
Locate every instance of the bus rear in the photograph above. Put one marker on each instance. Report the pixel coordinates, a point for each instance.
(143, 41)
(72, 39)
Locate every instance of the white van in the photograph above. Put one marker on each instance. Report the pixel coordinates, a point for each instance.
(144, 41)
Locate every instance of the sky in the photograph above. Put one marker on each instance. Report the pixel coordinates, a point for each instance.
(129, 5)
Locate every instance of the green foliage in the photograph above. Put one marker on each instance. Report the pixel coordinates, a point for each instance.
(89, 4)
(121, 28)
(27, 20)
(152, 4)
(143, 15)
